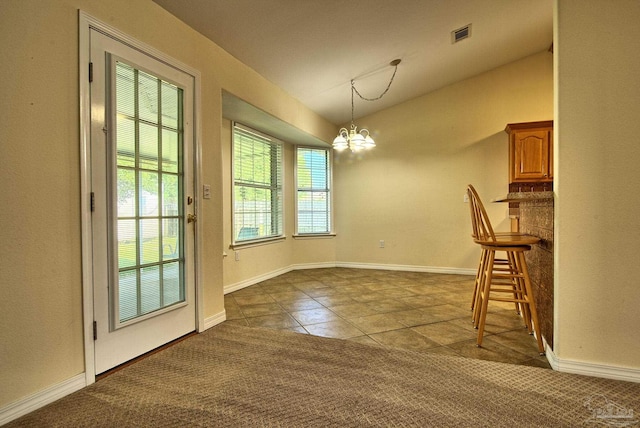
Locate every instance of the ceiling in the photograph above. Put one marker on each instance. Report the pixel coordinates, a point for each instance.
(313, 48)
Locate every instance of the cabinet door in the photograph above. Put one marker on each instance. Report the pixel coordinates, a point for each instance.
(531, 160)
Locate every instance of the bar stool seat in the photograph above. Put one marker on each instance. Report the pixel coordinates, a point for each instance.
(505, 280)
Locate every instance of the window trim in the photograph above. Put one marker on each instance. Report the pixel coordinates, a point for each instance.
(331, 231)
(266, 239)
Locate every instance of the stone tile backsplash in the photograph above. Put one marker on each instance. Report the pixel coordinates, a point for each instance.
(536, 218)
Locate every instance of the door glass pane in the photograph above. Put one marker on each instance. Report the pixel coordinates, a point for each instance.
(148, 176)
(128, 295)
(170, 244)
(127, 243)
(149, 241)
(170, 105)
(125, 82)
(148, 146)
(126, 192)
(126, 141)
(170, 194)
(169, 150)
(150, 289)
(171, 290)
(147, 102)
(148, 194)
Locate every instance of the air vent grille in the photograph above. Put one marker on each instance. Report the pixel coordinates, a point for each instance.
(461, 34)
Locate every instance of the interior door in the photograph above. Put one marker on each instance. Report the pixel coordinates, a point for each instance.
(142, 201)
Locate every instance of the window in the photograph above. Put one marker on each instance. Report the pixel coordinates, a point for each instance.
(257, 186)
(313, 176)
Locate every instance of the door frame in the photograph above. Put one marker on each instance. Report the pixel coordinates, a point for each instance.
(86, 23)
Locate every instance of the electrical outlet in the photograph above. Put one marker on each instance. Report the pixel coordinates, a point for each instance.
(466, 199)
(382, 243)
(237, 255)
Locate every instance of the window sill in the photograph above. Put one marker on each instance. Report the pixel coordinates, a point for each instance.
(314, 236)
(256, 243)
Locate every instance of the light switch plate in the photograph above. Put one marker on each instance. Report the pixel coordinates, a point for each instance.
(206, 191)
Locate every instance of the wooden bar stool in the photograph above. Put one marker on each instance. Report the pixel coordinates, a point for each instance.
(500, 265)
(507, 280)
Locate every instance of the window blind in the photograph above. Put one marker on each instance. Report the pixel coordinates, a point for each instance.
(313, 172)
(148, 180)
(257, 193)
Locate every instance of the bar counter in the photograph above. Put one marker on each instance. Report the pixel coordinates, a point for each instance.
(534, 213)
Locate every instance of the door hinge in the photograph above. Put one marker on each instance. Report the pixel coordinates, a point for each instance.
(93, 202)
(95, 330)
(90, 72)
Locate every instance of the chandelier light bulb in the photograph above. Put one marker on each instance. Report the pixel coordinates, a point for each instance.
(340, 142)
(368, 141)
(356, 140)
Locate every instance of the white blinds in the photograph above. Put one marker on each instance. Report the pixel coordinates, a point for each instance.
(148, 182)
(313, 190)
(257, 188)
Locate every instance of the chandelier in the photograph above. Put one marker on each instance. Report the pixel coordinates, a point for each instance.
(352, 138)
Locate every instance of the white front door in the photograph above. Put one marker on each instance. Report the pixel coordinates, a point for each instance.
(142, 145)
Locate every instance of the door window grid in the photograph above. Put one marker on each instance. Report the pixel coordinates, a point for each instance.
(149, 185)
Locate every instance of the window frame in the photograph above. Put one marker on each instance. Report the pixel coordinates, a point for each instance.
(279, 188)
(329, 190)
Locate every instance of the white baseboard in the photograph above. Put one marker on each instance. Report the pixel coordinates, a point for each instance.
(213, 321)
(40, 399)
(256, 279)
(354, 265)
(322, 265)
(252, 281)
(408, 268)
(592, 369)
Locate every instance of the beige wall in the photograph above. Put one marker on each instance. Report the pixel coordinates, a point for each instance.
(40, 243)
(597, 146)
(409, 190)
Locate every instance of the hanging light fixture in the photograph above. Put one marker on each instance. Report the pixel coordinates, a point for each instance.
(352, 138)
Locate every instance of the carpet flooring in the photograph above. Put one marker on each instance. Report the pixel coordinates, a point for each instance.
(235, 376)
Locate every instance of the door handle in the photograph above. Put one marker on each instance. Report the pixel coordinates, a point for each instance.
(191, 218)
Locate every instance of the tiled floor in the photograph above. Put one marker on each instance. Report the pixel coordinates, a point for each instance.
(419, 311)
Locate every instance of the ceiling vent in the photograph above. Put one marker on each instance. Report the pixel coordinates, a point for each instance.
(461, 34)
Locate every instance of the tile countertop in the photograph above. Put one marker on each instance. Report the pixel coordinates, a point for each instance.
(524, 196)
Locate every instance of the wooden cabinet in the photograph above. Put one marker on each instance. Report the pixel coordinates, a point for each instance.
(530, 152)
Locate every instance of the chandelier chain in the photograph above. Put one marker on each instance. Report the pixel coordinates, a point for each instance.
(353, 88)
(353, 139)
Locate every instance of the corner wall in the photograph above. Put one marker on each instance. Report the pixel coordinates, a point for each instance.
(265, 260)
(597, 214)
